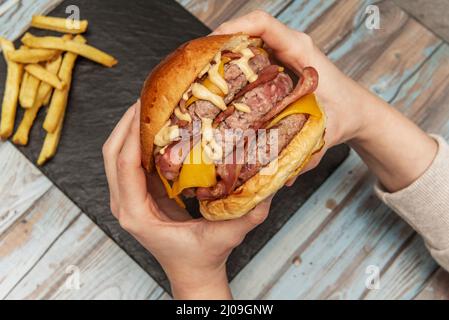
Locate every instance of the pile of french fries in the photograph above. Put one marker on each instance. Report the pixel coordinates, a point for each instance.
(40, 74)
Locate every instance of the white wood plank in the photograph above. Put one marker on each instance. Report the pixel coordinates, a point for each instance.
(21, 185)
(105, 271)
(24, 243)
(16, 20)
(165, 296)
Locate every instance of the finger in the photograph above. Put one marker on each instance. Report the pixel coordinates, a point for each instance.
(170, 208)
(238, 228)
(111, 150)
(131, 176)
(291, 181)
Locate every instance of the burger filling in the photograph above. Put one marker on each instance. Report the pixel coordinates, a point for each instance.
(240, 91)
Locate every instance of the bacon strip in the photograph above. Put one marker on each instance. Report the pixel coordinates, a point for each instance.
(229, 173)
(171, 161)
(182, 105)
(266, 75)
(306, 85)
(231, 55)
(223, 115)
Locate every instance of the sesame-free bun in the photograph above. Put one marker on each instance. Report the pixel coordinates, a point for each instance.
(165, 85)
(161, 93)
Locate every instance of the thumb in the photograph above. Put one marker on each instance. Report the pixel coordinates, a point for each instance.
(238, 228)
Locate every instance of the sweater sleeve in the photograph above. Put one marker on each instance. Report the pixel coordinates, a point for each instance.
(425, 204)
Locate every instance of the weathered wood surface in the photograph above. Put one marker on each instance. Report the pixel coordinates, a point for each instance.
(105, 271)
(213, 12)
(42, 233)
(344, 219)
(323, 251)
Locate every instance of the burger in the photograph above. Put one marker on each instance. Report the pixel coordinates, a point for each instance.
(222, 121)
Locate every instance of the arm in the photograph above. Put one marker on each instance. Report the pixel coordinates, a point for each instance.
(412, 169)
(405, 159)
(396, 150)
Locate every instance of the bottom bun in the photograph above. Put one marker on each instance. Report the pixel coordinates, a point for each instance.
(289, 163)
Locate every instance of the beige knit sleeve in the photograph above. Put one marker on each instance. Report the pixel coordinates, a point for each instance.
(425, 204)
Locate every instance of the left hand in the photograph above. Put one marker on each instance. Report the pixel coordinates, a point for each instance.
(342, 98)
(192, 252)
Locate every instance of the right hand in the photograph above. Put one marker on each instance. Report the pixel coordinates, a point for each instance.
(339, 95)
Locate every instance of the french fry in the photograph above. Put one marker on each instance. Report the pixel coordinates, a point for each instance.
(42, 74)
(29, 93)
(51, 142)
(81, 49)
(11, 95)
(59, 24)
(32, 55)
(22, 134)
(47, 99)
(23, 87)
(59, 99)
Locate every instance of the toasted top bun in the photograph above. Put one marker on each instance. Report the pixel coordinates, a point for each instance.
(164, 87)
(161, 93)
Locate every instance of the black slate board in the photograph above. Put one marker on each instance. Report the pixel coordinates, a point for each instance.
(139, 34)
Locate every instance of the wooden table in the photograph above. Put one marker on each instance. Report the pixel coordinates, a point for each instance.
(324, 249)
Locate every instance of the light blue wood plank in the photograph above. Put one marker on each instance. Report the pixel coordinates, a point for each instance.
(338, 22)
(407, 274)
(404, 58)
(428, 86)
(300, 14)
(368, 43)
(269, 264)
(333, 266)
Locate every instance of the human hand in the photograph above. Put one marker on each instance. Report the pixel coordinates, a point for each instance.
(341, 97)
(394, 148)
(192, 252)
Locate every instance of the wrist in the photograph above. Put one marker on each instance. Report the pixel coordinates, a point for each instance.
(374, 117)
(197, 285)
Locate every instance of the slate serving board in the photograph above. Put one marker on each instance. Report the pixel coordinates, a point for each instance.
(139, 34)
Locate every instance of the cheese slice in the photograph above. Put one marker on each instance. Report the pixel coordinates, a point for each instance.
(197, 171)
(305, 105)
(169, 190)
